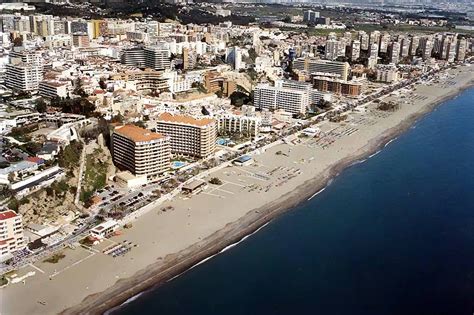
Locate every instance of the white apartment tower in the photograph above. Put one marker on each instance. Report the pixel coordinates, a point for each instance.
(414, 44)
(374, 38)
(404, 46)
(395, 53)
(11, 234)
(24, 71)
(355, 50)
(384, 41)
(332, 49)
(273, 98)
(461, 49)
(310, 65)
(364, 40)
(426, 47)
(374, 51)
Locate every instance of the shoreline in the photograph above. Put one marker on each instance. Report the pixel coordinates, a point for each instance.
(173, 265)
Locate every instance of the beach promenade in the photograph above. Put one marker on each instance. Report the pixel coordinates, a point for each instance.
(183, 231)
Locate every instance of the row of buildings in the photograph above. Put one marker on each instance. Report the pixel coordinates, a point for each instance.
(148, 153)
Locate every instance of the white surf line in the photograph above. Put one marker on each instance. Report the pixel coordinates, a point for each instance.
(70, 266)
(390, 141)
(220, 252)
(316, 193)
(36, 268)
(374, 154)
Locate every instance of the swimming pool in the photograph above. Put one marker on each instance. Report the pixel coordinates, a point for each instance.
(177, 164)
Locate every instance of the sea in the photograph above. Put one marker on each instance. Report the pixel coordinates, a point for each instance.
(393, 234)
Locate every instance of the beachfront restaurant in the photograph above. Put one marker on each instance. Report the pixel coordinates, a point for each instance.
(194, 186)
(104, 229)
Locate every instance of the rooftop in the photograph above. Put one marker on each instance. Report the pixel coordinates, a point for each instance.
(194, 184)
(138, 134)
(5, 215)
(243, 158)
(184, 119)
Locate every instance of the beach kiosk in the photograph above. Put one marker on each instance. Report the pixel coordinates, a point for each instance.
(244, 160)
(194, 186)
(104, 229)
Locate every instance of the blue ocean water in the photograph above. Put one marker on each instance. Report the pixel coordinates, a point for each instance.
(393, 235)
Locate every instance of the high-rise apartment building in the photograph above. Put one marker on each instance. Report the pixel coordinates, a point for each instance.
(310, 65)
(414, 44)
(11, 234)
(374, 38)
(133, 57)
(355, 50)
(426, 47)
(188, 135)
(334, 49)
(157, 58)
(310, 16)
(273, 98)
(395, 52)
(461, 49)
(140, 151)
(24, 70)
(404, 46)
(384, 41)
(364, 40)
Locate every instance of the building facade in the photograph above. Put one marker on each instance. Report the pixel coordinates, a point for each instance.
(24, 71)
(140, 151)
(11, 234)
(188, 135)
(312, 65)
(273, 97)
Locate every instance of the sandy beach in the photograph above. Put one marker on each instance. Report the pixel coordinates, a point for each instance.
(169, 242)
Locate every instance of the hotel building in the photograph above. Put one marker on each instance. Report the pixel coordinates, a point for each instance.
(311, 65)
(188, 135)
(232, 123)
(140, 151)
(273, 97)
(11, 234)
(336, 86)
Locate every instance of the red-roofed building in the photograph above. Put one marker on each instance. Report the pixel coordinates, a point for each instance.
(140, 151)
(35, 159)
(11, 234)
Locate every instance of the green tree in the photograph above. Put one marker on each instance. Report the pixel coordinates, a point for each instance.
(40, 106)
